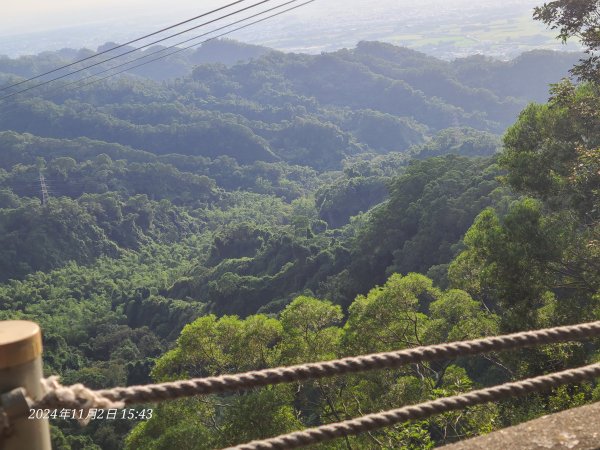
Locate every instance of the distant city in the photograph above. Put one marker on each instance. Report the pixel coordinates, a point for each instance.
(446, 30)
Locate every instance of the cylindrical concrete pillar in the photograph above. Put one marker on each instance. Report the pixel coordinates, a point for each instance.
(21, 366)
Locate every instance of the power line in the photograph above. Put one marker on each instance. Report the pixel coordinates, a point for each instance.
(179, 50)
(122, 45)
(132, 51)
(179, 43)
(196, 44)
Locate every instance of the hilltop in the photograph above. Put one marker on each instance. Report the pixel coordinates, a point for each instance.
(236, 208)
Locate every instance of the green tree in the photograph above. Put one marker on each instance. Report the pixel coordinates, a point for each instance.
(575, 19)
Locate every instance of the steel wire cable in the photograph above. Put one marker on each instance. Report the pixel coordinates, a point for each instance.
(75, 82)
(198, 43)
(122, 45)
(44, 83)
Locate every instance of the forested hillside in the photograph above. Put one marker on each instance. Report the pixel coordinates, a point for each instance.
(299, 109)
(241, 208)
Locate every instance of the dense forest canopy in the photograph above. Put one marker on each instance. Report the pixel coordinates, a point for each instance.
(275, 107)
(238, 208)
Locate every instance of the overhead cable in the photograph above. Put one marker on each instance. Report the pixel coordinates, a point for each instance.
(126, 63)
(133, 41)
(198, 43)
(178, 49)
(44, 83)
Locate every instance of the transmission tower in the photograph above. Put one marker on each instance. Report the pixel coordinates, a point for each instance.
(44, 189)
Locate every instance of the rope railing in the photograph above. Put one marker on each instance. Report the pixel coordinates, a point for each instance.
(55, 396)
(78, 396)
(372, 422)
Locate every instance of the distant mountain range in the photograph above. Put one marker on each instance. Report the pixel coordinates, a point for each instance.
(311, 110)
(443, 28)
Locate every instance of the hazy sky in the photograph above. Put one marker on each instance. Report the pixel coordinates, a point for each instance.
(31, 26)
(49, 14)
(19, 16)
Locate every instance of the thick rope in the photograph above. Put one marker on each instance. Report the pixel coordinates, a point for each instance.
(76, 396)
(4, 424)
(229, 383)
(377, 421)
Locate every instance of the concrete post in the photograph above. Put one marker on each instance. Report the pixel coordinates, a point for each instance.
(21, 367)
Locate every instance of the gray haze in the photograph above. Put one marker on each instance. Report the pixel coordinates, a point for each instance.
(444, 28)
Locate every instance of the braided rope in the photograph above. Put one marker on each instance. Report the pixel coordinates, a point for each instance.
(76, 396)
(228, 383)
(377, 421)
(4, 424)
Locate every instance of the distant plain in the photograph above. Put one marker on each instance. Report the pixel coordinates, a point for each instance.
(445, 29)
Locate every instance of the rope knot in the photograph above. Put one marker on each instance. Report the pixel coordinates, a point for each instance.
(77, 396)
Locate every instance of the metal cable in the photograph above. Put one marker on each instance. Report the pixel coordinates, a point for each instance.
(133, 41)
(177, 44)
(44, 83)
(181, 49)
(198, 43)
